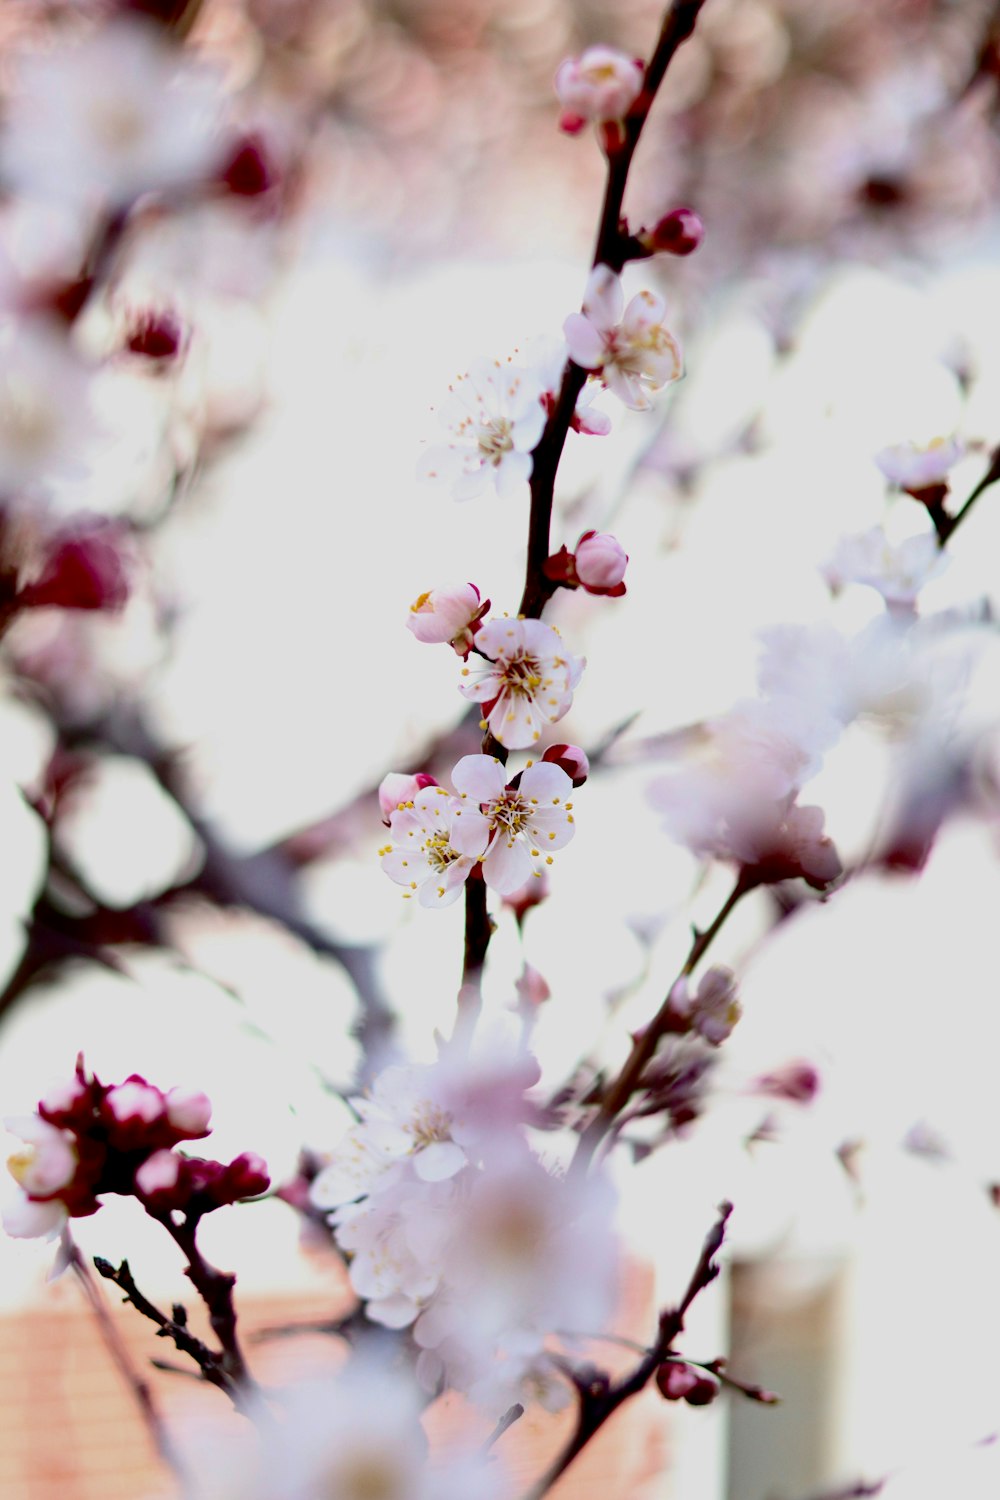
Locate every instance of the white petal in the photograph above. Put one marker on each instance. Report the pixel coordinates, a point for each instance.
(507, 866)
(587, 345)
(603, 300)
(481, 778)
(438, 1161)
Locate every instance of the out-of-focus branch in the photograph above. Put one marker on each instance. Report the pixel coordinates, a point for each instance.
(599, 1397)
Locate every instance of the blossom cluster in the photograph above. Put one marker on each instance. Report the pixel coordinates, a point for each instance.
(89, 1138)
(454, 1226)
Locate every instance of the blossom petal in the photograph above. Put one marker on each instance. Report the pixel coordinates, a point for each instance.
(439, 1161)
(479, 777)
(603, 299)
(507, 866)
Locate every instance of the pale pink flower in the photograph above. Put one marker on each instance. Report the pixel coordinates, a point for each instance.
(915, 466)
(447, 616)
(774, 843)
(46, 1164)
(396, 1240)
(897, 570)
(496, 416)
(108, 117)
(601, 84)
(714, 1009)
(527, 823)
(601, 561)
(435, 843)
(630, 347)
(353, 1436)
(527, 682)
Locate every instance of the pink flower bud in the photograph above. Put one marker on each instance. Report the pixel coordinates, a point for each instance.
(134, 1101)
(160, 1180)
(447, 616)
(245, 1177)
(571, 759)
(188, 1112)
(703, 1392)
(532, 988)
(84, 571)
(600, 562)
(675, 1380)
(397, 789)
(797, 1081)
(677, 233)
(602, 84)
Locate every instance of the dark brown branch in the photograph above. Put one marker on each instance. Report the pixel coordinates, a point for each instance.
(209, 1362)
(216, 1291)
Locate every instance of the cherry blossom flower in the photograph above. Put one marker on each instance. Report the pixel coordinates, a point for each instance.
(354, 1436)
(601, 84)
(496, 416)
(527, 822)
(47, 1163)
(913, 466)
(898, 571)
(449, 616)
(632, 350)
(527, 682)
(713, 1010)
(108, 117)
(435, 843)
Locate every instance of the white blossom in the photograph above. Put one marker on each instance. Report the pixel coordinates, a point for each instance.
(601, 84)
(915, 466)
(435, 843)
(527, 823)
(106, 118)
(630, 347)
(495, 416)
(527, 682)
(897, 570)
(47, 1162)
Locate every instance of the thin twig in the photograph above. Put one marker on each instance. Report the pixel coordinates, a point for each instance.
(116, 1348)
(617, 1094)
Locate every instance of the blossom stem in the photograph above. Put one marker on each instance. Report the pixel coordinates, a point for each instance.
(947, 525)
(618, 1093)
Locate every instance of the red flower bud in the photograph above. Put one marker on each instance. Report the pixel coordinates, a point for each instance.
(677, 233)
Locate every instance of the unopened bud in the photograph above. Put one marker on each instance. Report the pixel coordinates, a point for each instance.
(245, 1177)
(160, 1181)
(703, 1392)
(678, 233)
(601, 561)
(448, 616)
(189, 1112)
(571, 759)
(675, 1380)
(398, 788)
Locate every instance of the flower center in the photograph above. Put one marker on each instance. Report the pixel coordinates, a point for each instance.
(522, 675)
(510, 813)
(439, 851)
(495, 440)
(429, 1125)
(21, 1163)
